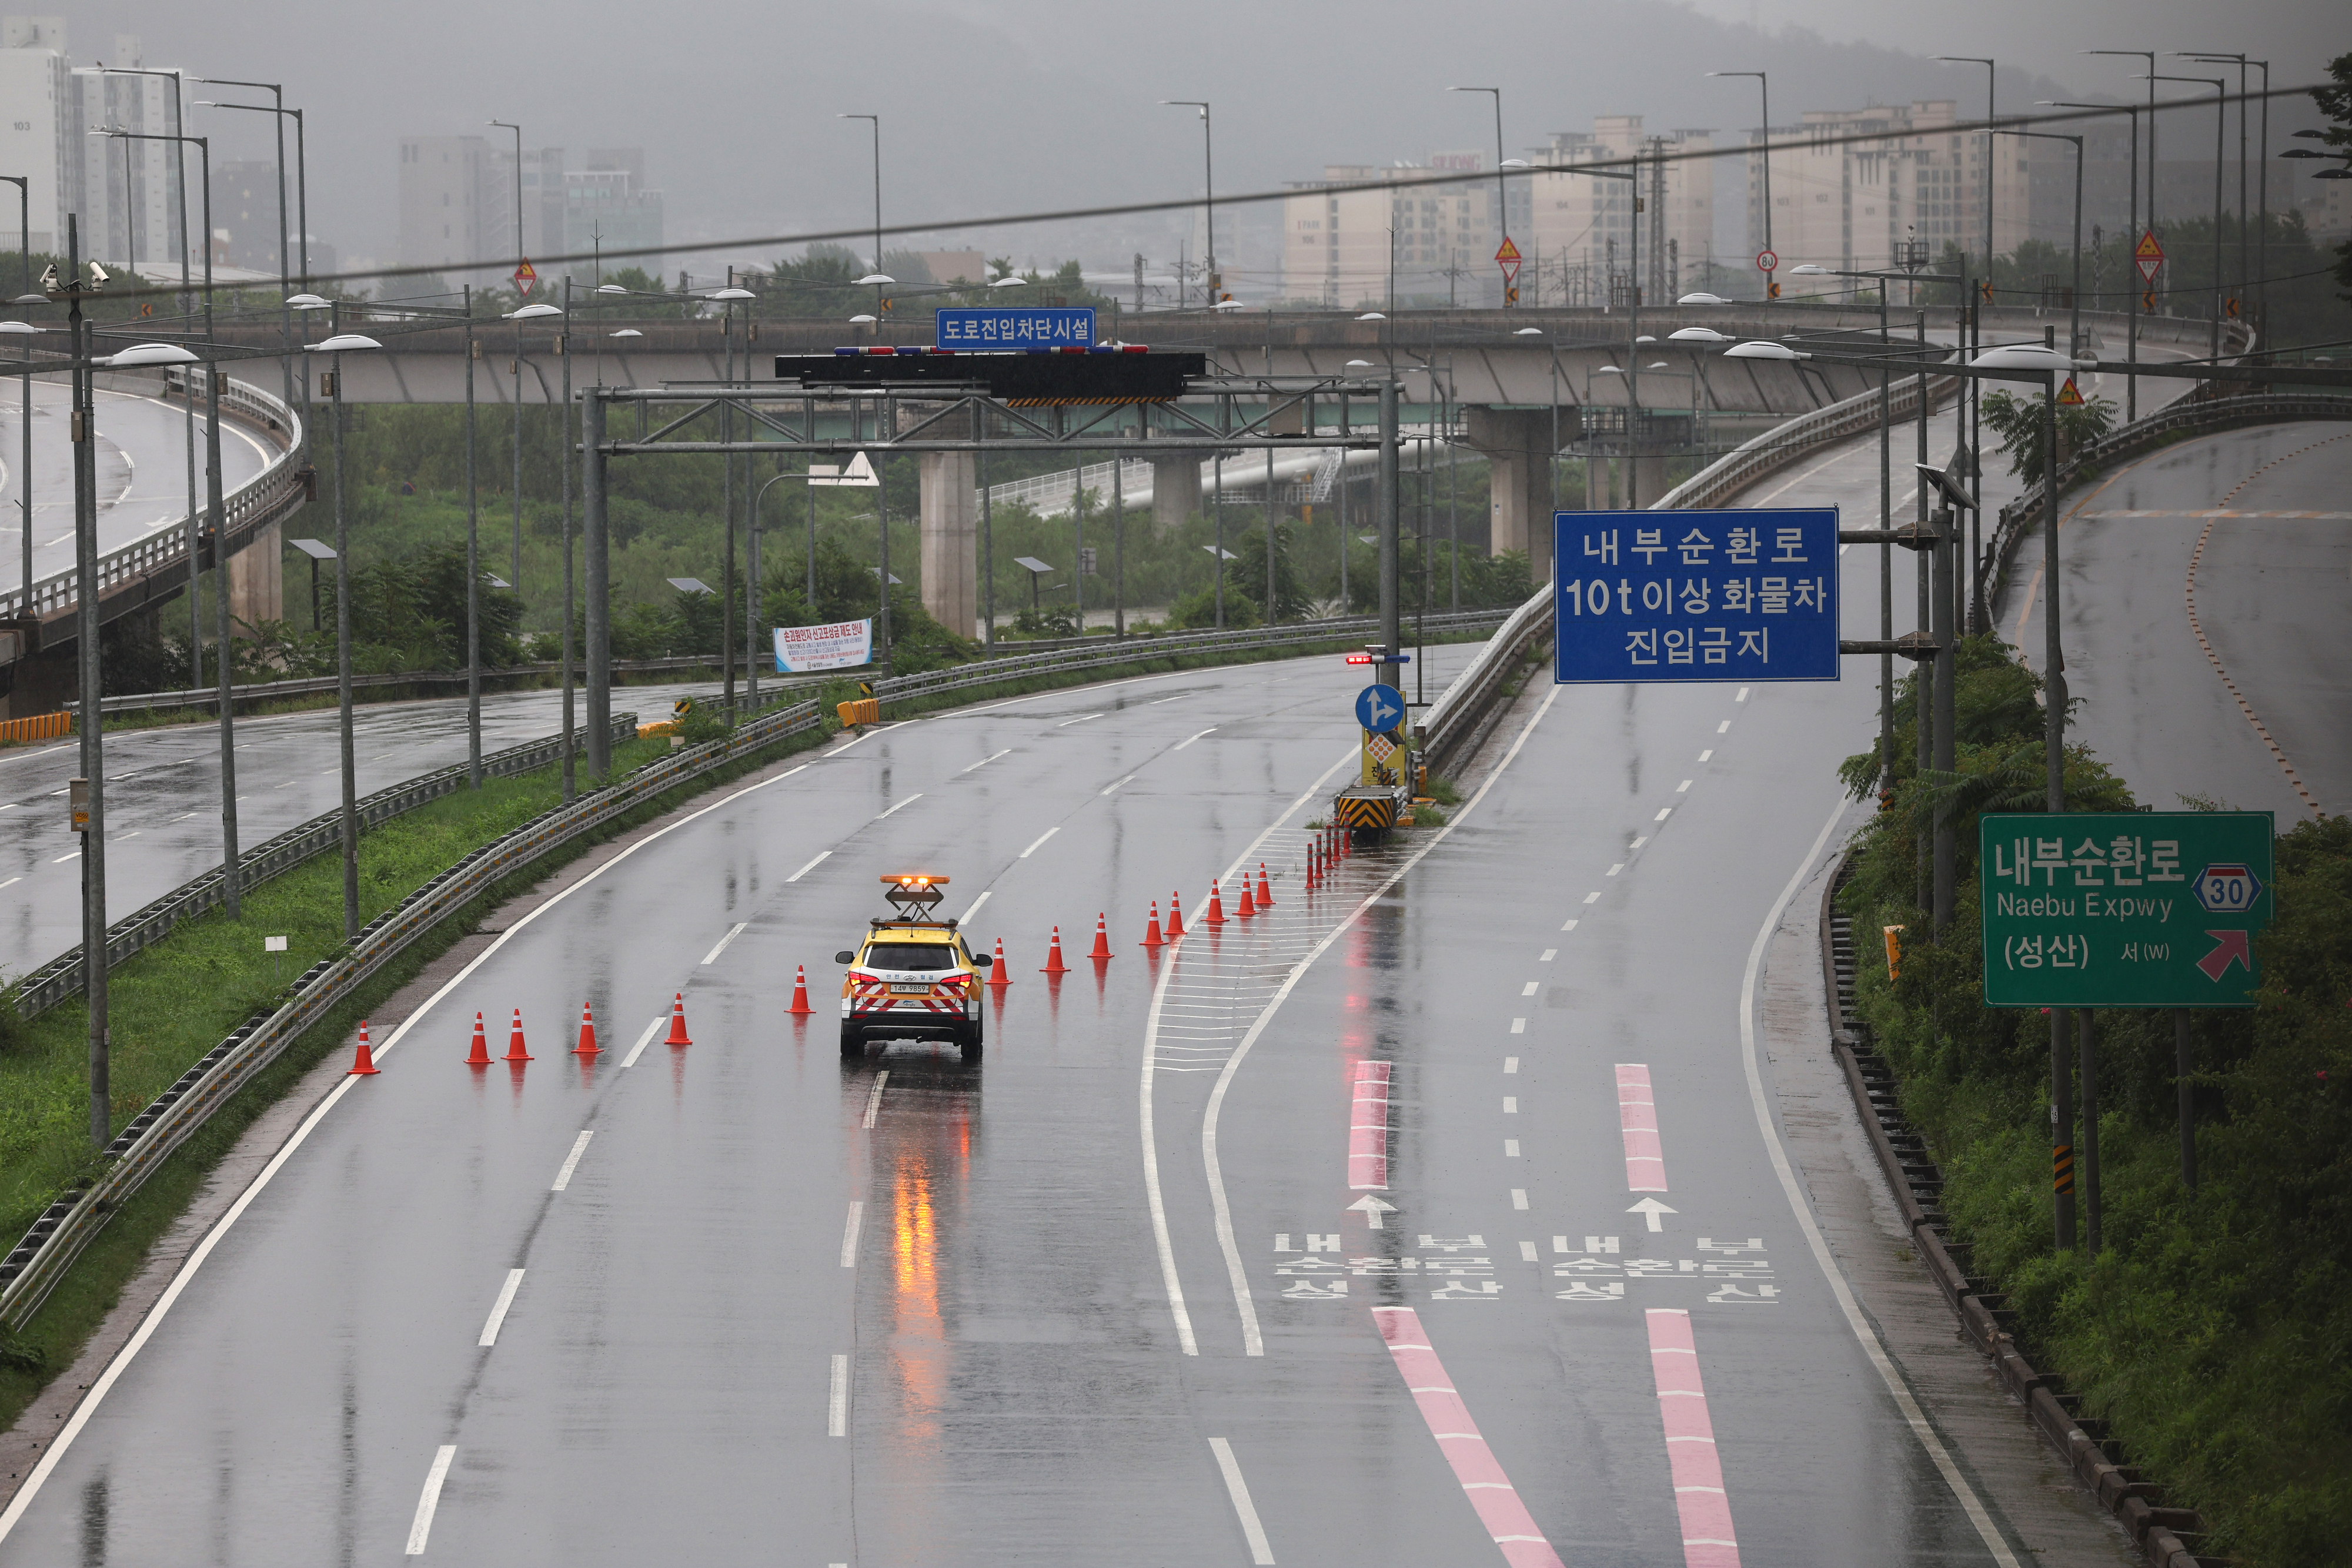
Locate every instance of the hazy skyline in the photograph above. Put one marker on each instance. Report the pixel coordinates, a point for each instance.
(1006, 106)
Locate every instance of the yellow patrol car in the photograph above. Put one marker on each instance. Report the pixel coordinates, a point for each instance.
(914, 977)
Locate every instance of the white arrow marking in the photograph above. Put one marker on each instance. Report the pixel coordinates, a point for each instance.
(1371, 1208)
(1650, 1209)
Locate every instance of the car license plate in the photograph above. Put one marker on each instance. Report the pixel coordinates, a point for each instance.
(899, 990)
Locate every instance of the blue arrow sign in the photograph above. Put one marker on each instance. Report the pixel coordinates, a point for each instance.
(1378, 709)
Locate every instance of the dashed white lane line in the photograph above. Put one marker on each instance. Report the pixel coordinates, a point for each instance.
(62, 859)
(1510, 1064)
(1529, 989)
(903, 804)
(1549, 955)
(733, 932)
(1613, 872)
(1191, 738)
(1589, 898)
(849, 1233)
(1116, 782)
(1665, 814)
(571, 1160)
(1723, 728)
(1683, 788)
(1742, 696)
(1518, 1025)
(1510, 1148)
(837, 1403)
(1238, 1489)
(874, 1101)
(1527, 1252)
(644, 1040)
(1703, 757)
(1178, 697)
(811, 866)
(1519, 1197)
(1033, 848)
(984, 761)
(1511, 1102)
(422, 1525)
(1080, 719)
(498, 1308)
(965, 918)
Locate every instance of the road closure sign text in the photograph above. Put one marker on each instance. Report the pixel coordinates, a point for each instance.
(2124, 909)
(1696, 596)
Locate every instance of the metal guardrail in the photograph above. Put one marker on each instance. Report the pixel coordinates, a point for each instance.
(1454, 716)
(1776, 448)
(1095, 654)
(34, 1266)
(60, 979)
(312, 686)
(253, 504)
(2189, 416)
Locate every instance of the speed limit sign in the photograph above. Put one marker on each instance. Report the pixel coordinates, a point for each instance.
(1767, 262)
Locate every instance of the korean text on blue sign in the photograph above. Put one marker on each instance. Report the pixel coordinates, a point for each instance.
(1045, 327)
(1696, 596)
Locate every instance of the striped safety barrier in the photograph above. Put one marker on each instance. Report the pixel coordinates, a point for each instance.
(40, 727)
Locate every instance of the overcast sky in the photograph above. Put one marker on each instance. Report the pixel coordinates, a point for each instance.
(1004, 106)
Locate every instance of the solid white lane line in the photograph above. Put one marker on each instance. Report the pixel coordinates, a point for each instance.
(499, 1310)
(1080, 719)
(1191, 738)
(811, 866)
(1116, 782)
(572, 1161)
(1238, 1489)
(1777, 1152)
(1178, 697)
(1033, 849)
(965, 918)
(839, 749)
(837, 1403)
(62, 859)
(874, 1101)
(984, 761)
(422, 1525)
(849, 1234)
(733, 932)
(908, 802)
(1253, 1342)
(644, 1040)
(12, 881)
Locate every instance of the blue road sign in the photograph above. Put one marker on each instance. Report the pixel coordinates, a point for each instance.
(1380, 709)
(1734, 595)
(1038, 327)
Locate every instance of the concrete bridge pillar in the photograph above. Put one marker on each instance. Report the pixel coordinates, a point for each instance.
(950, 539)
(257, 582)
(1175, 489)
(1516, 443)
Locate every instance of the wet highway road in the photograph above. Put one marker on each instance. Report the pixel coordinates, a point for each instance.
(2273, 598)
(163, 797)
(1114, 1292)
(142, 472)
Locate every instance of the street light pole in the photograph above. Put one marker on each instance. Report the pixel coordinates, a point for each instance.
(277, 123)
(337, 344)
(514, 567)
(2220, 87)
(1502, 195)
(2244, 269)
(875, 121)
(2131, 312)
(2075, 317)
(1209, 191)
(84, 436)
(1763, 81)
(232, 873)
(24, 249)
(1985, 182)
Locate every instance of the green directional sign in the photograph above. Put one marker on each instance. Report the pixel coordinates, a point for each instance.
(2124, 909)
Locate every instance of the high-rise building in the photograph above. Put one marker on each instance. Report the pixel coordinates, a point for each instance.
(244, 216)
(1584, 249)
(1341, 247)
(607, 207)
(458, 197)
(38, 137)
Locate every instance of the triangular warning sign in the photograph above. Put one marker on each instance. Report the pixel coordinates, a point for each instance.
(2147, 255)
(2069, 396)
(2147, 245)
(525, 275)
(1510, 251)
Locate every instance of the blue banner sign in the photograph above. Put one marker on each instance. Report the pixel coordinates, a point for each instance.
(1042, 326)
(1746, 595)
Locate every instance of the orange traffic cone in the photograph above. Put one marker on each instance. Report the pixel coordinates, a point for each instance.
(1265, 888)
(1102, 938)
(587, 1046)
(480, 1055)
(997, 977)
(678, 1022)
(1054, 965)
(1216, 915)
(1152, 937)
(1247, 907)
(515, 1051)
(800, 1007)
(365, 1067)
(1175, 917)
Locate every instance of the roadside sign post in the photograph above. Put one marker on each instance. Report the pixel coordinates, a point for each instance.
(2122, 909)
(2148, 256)
(1506, 257)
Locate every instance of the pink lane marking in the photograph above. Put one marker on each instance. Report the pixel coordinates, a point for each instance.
(1637, 1118)
(1475, 1465)
(1368, 1129)
(1708, 1538)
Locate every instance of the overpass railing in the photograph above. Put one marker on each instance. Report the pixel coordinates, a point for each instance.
(261, 501)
